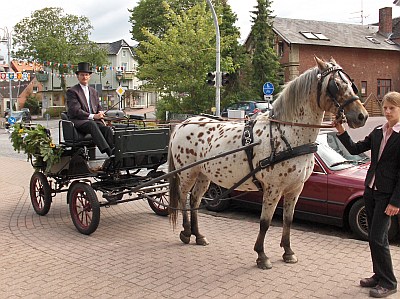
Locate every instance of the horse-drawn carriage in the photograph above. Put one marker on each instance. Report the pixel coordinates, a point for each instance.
(273, 153)
(139, 152)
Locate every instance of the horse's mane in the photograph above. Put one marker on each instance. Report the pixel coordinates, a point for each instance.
(294, 94)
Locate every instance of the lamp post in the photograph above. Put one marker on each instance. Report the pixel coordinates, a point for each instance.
(217, 61)
(118, 75)
(7, 39)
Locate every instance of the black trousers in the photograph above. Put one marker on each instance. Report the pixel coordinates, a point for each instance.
(101, 134)
(378, 227)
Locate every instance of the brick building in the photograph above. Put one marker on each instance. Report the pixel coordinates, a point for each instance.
(370, 54)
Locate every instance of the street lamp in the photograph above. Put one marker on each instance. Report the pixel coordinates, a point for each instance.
(7, 39)
(118, 75)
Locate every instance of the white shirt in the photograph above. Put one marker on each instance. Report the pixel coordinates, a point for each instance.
(86, 92)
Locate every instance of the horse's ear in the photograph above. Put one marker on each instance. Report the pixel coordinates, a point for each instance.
(332, 60)
(320, 63)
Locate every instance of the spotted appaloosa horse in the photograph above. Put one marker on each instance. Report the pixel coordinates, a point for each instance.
(303, 101)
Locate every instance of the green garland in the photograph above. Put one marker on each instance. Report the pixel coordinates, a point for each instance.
(36, 142)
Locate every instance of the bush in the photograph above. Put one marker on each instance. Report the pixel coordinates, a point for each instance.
(32, 103)
(55, 111)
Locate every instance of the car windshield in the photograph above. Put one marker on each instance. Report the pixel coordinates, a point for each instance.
(263, 106)
(17, 114)
(335, 155)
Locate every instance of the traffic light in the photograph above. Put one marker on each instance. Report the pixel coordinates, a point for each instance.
(225, 79)
(211, 78)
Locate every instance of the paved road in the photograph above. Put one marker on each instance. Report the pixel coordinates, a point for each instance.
(136, 254)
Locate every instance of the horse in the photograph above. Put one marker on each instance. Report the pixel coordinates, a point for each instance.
(296, 118)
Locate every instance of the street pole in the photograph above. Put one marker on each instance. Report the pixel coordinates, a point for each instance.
(217, 62)
(7, 39)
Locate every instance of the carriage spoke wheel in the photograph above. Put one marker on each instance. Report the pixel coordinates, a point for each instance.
(159, 203)
(84, 208)
(40, 193)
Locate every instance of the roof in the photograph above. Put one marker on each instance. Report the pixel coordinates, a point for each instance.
(114, 47)
(337, 34)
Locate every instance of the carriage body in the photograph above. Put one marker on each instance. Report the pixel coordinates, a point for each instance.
(139, 152)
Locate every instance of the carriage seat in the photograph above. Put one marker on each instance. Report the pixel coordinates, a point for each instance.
(72, 137)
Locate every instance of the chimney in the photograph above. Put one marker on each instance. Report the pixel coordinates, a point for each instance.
(385, 21)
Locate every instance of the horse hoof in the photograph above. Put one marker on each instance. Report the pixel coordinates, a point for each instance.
(289, 258)
(264, 264)
(202, 241)
(184, 239)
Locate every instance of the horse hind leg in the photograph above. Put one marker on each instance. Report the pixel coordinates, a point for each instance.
(288, 211)
(198, 191)
(183, 194)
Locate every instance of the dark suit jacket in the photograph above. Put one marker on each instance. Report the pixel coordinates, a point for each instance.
(78, 110)
(387, 168)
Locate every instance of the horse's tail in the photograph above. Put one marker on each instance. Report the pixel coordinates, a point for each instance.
(173, 191)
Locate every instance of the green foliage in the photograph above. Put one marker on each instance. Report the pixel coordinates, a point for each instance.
(33, 104)
(175, 61)
(55, 111)
(265, 61)
(36, 143)
(50, 35)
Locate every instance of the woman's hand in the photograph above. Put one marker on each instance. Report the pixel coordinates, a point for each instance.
(339, 126)
(391, 210)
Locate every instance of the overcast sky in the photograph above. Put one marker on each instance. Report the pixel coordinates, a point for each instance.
(110, 19)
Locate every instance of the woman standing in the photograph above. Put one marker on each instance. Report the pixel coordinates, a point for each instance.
(382, 192)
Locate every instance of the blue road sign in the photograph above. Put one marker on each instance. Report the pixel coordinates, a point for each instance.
(268, 88)
(11, 120)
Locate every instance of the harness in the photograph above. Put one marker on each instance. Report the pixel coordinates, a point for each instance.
(290, 152)
(333, 89)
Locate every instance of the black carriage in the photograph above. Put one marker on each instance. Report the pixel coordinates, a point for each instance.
(140, 150)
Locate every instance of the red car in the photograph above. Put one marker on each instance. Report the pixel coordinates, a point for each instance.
(332, 194)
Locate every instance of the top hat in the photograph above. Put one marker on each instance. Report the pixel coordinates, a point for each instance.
(83, 67)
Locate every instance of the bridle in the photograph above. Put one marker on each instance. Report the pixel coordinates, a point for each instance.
(333, 89)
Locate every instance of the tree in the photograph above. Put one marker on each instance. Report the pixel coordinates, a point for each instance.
(265, 61)
(49, 35)
(154, 21)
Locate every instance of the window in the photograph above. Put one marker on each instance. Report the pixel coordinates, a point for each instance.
(124, 66)
(280, 48)
(123, 53)
(364, 88)
(384, 86)
(314, 35)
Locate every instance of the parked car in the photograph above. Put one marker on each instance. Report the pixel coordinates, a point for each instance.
(27, 114)
(17, 117)
(332, 195)
(250, 107)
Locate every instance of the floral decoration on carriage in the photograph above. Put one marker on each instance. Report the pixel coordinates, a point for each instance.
(36, 142)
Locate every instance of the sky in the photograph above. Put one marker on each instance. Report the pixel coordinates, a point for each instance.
(111, 19)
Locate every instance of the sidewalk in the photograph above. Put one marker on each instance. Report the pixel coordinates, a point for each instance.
(136, 254)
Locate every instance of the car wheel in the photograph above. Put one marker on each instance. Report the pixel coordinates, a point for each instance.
(359, 225)
(213, 204)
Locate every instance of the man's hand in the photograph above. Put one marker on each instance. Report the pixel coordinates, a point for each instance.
(391, 210)
(99, 115)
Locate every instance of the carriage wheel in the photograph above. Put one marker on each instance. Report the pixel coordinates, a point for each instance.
(84, 208)
(40, 193)
(159, 203)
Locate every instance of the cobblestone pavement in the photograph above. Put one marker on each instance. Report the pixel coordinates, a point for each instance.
(136, 254)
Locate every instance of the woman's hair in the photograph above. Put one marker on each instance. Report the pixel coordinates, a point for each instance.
(392, 97)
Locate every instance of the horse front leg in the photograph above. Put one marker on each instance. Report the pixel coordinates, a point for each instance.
(268, 209)
(288, 211)
(263, 261)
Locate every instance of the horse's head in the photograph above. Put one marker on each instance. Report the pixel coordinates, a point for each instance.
(337, 93)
